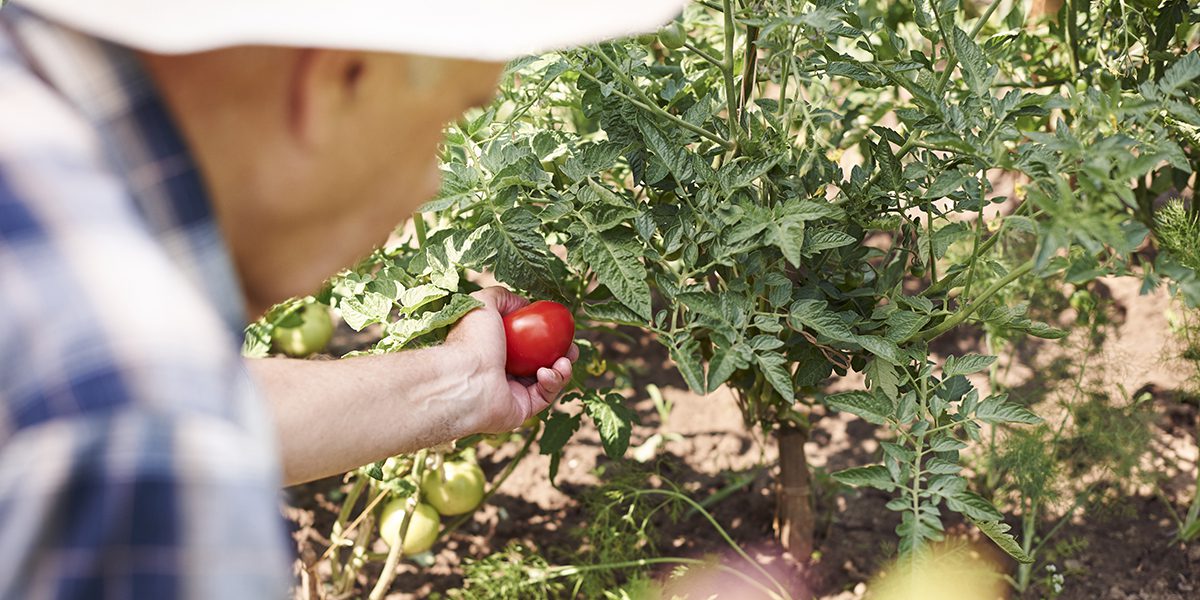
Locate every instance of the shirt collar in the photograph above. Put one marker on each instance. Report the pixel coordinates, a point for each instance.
(110, 88)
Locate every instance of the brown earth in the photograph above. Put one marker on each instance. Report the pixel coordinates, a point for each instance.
(1116, 549)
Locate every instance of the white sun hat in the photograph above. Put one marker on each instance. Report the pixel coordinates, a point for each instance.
(495, 30)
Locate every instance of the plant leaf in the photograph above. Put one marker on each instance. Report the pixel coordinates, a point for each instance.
(966, 364)
(997, 409)
(613, 419)
(875, 476)
(865, 405)
(976, 70)
(997, 531)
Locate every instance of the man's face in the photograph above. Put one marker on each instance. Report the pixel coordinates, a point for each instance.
(381, 153)
(313, 157)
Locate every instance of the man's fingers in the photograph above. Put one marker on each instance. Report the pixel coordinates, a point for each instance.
(573, 353)
(500, 299)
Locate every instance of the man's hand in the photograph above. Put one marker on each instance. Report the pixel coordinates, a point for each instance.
(503, 402)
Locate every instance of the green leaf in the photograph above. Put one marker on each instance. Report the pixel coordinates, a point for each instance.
(521, 258)
(976, 70)
(882, 375)
(613, 419)
(889, 166)
(742, 172)
(613, 312)
(720, 367)
(997, 409)
(947, 486)
(257, 342)
(704, 303)
(417, 297)
(687, 359)
(882, 348)
(614, 257)
(405, 330)
(973, 506)
(997, 531)
(816, 240)
(867, 406)
(682, 163)
(856, 72)
(591, 159)
(788, 236)
(774, 368)
(917, 529)
(814, 314)
(364, 310)
(926, 19)
(903, 324)
(945, 184)
(941, 466)
(1180, 74)
(875, 476)
(810, 210)
(944, 442)
(559, 429)
(897, 452)
(966, 364)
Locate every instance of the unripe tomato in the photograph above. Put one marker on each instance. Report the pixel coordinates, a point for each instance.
(422, 528)
(310, 336)
(536, 336)
(672, 35)
(460, 492)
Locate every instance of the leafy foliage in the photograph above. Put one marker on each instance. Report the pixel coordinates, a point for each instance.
(806, 190)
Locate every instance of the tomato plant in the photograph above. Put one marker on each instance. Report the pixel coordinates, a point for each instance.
(796, 192)
(536, 336)
(801, 192)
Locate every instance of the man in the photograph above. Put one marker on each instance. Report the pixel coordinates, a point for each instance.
(170, 169)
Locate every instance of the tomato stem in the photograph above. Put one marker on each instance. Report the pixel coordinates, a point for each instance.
(396, 552)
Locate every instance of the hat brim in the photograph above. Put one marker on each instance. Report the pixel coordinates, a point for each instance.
(491, 30)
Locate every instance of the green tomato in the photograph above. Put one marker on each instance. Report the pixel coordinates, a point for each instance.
(646, 39)
(459, 492)
(422, 528)
(672, 36)
(1082, 301)
(310, 336)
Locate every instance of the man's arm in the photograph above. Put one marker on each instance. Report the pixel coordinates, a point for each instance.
(333, 416)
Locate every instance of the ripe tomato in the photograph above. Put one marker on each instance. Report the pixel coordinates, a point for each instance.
(460, 492)
(536, 336)
(422, 528)
(309, 336)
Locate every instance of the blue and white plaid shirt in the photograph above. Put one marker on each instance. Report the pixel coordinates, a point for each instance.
(136, 457)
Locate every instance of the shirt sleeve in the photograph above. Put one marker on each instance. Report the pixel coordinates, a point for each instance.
(136, 458)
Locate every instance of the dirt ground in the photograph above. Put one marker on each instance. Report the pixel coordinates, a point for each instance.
(1117, 550)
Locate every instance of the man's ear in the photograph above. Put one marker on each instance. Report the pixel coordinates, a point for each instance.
(322, 90)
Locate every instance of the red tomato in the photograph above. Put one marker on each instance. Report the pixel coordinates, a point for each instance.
(536, 336)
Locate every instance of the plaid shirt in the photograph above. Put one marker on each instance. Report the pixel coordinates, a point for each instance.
(136, 457)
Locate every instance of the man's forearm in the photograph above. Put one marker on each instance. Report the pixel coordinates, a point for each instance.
(332, 416)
